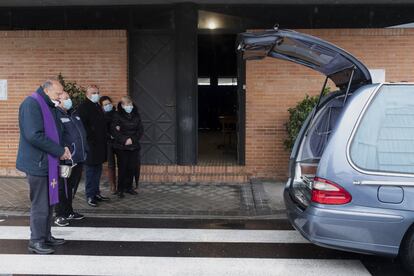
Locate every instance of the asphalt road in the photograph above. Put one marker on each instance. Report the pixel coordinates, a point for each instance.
(122, 246)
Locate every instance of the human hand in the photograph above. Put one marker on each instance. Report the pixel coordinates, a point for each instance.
(128, 142)
(66, 155)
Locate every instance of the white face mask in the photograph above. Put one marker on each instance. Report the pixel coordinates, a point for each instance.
(95, 98)
(56, 102)
(128, 108)
(67, 104)
(108, 107)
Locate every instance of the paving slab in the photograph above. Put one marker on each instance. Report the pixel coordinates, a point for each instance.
(252, 199)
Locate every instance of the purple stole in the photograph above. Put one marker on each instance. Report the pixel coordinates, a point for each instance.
(51, 133)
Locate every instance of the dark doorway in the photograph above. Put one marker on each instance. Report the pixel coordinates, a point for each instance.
(217, 100)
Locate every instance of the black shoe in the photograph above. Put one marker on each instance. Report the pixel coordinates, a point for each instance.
(92, 202)
(61, 221)
(40, 248)
(121, 195)
(131, 192)
(101, 198)
(55, 242)
(75, 216)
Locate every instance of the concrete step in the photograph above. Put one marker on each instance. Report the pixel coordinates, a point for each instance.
(176, 169)
(175, 173)
(220, 178)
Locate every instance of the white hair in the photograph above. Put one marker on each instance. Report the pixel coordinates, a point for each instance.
(49, 82)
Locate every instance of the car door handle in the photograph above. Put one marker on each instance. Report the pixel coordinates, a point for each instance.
(169, 105)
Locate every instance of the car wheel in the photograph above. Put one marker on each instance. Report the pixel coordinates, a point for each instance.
(407, 251)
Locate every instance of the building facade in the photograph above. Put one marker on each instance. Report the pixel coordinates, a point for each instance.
(161, 55)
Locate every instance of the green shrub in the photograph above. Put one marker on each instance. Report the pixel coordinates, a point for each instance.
(298, 115)
(76, 92)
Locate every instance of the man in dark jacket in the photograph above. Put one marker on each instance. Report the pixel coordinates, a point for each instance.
(38, 156)
(73, 137)
(93, 120)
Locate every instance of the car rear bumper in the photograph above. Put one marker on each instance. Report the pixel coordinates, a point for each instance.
(357, 229)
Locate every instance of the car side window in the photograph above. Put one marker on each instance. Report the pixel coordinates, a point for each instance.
(384, 138)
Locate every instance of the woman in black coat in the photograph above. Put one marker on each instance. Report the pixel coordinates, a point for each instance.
(109, 112)
(127, 130)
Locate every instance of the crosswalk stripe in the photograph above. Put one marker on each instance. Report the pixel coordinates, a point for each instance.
(246, 224)
(186, 249)
(110, 265)
(160, 235)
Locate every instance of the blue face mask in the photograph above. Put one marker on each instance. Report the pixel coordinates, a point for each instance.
(67, 104)
(108, 107)
(128, 108)
(95, 98)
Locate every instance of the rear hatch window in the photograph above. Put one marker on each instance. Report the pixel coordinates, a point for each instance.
(306, 50)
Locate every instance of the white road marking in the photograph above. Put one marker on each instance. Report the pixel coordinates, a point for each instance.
(160, 235)
(165, 266)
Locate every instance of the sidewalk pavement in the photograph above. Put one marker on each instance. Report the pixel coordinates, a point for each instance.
(201, 200)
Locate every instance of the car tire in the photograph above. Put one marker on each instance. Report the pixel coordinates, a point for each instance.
(406, 254)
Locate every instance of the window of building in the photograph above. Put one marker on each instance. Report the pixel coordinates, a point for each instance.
(227, 81)
(204, 81)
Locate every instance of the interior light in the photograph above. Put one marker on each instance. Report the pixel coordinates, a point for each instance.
(212, 24)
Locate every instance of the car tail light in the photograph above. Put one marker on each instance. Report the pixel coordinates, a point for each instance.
(327, 192)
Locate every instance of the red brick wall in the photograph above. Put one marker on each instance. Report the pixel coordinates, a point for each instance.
(272, 86)
(28, 57)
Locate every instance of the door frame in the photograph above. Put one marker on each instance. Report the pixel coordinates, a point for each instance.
(241, 114)
(241, 93)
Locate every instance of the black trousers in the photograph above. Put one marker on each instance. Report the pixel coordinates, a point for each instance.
(138, 170)
(41, 213)
(127, 167)
(64, 207)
